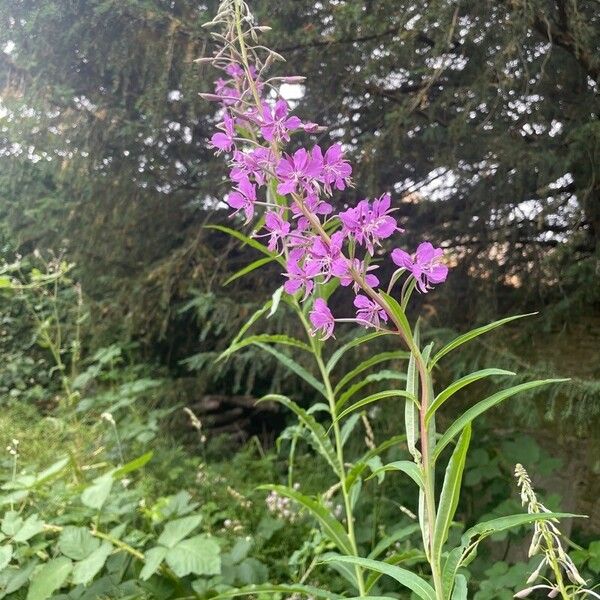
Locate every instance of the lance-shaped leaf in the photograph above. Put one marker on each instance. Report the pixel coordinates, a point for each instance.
(359, 467)
(264, 338)
(411, 418)
(406, 578)
(463, 554)
(293, 366)
(287, 590)
(405, 466)
(331, 527)
(318, 436)
(337, 355)
(257, 264)
(472, 413)
(453, 388)
(359, 385)
(367, 364)
(398, 315)
(247, 240)
(450, 492)
(467, 337)
(375, 398)
(389, 540)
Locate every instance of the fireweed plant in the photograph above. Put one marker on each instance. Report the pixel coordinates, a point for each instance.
(286, 195)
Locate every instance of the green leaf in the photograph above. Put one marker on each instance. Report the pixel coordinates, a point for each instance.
(458, 385)
(85, 570)
(384, 375)
(337, 355)
(405, 466)
(460, 588)
(398, 315)
(96, 494)
(348, 428)
(249, 268)
(492, 526)
(152, 561)
(410, 410)
(249, 322)
(374, 398)
(406, 578)
(31, 526)
(450, 492)
(176, 530)
(248, 240)
(77, 542)
(49, 578)
(50, 472)
(367, 364)
(199, 555)
(6, 553)
(396, 536)
(287, 590)
(467, 337)
(134, 465)
(471, 538)
(358, 468)
(293, 366)
(332, 528)
(472, 413)
(318, 437)
(264, 338)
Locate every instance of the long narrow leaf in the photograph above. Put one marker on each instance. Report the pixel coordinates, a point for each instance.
(247, 240)
(293, 366)
(257, 264)
(374, 398)
(359, 385)
(410, 410)
(470, 335)
(264, 338)
(332, 528)
(462, 554)
(337, 355)
(450, 492)
(358, 468)
(406, 578)
(481, 407)
(405, 466)
(458, 385)
(398, 314)
(367, 364)
(391, 539)
(287, 590)
(318, 436)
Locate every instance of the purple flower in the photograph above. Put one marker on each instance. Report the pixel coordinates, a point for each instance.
(300, 170)
(369, 224)
(229, 95)
(234, 70)
(426, 266)
(223, 140)
(300, 275)
(278, 229)
(321, 318)
(243, 198)
(326, 254)
(276, 124)
(257, 163)
(341, 268)
(369, 313)
(314, 205)
(336, 171)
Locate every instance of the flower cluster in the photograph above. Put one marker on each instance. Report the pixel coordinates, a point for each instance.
(317, 243)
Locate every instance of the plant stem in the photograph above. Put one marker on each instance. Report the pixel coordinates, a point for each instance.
(339, 448)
